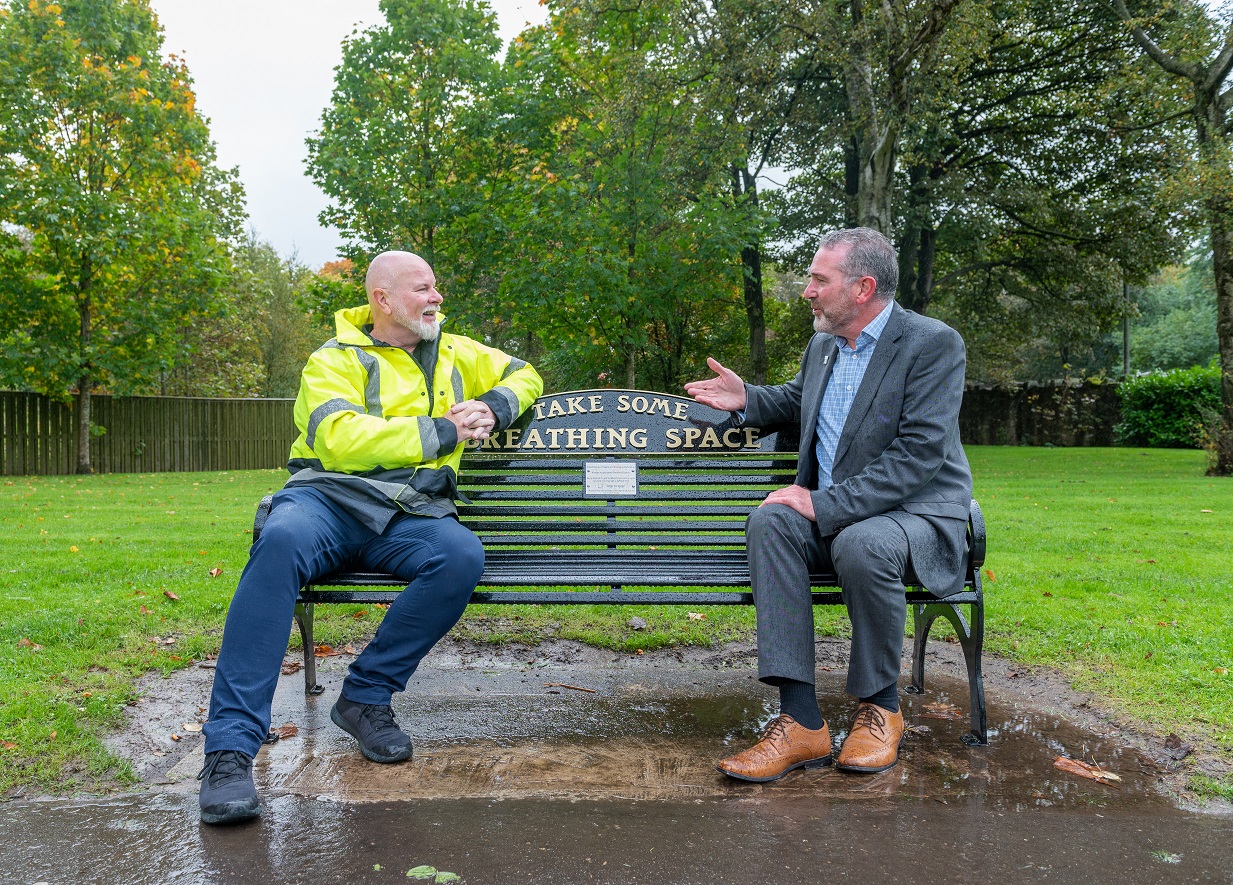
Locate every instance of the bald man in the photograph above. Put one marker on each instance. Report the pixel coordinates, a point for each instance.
(384, 410)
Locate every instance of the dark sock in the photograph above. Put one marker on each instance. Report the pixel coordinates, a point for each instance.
(800, 701)
(887, 698)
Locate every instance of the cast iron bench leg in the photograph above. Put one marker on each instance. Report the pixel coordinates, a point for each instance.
(304, 620)
(971, 640)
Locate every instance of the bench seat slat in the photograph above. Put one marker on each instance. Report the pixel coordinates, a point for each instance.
(733, 538)
(598, 529)
(749, 497)
(600, 508)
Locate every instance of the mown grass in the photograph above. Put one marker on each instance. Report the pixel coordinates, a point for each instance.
(1109, 564)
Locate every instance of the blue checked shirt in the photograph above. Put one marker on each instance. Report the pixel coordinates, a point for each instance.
(846, 375)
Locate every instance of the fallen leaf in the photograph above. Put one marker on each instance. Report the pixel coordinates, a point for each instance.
(989, 575)
(326, 651)
(52, 736)
(637, 623)
(1221, 671)
(443, 876)
(215, 572)
(1084, 769)
(171, 596)
(1046, 593)
(349, 649)
(566, 685)
(190, 726)
(696, 616)
(170, 640)
(637, 651)
(287, 730)
(421, 872)
(360, 614)
(9, 745)
(144, 610)
(291, 667)
(175, 737)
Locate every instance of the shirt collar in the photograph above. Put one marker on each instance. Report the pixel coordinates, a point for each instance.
(872, 332)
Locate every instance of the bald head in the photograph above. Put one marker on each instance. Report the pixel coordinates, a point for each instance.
(402, 292)
(388, 269)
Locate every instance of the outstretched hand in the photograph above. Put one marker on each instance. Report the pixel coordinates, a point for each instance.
(726, 391)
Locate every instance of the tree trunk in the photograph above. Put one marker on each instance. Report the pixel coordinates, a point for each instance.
(744, 187)
(851, 182)
(84, 383)
(1222, 263)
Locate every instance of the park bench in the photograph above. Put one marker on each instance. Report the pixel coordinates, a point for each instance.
(622, 497)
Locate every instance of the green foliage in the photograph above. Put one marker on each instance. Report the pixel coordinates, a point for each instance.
(1176, 325)
(1025, 190)
(406, 148)
(1169, 409)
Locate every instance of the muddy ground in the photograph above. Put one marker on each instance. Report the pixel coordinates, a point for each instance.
(176, 705)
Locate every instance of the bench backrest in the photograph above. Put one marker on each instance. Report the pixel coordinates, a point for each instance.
(621, 468)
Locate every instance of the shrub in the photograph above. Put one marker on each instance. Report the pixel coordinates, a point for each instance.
(1169, 409)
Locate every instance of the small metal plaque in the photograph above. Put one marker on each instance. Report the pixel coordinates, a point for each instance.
(610, 479)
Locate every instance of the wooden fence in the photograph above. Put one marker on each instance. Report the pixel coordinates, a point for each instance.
(145, 434)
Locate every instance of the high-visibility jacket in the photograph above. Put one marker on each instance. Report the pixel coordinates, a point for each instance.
(373, 436)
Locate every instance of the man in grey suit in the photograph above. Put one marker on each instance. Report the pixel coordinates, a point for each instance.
(882, 488)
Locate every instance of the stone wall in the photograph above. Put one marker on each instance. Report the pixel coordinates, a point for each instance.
(1076, 413)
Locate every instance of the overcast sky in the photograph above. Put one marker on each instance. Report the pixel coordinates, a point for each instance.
(264, 71)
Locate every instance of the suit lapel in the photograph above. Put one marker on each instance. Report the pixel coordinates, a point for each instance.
(817, 375)
(883, 353)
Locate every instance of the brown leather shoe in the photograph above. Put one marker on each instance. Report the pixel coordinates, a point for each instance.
(785, 745)
(873, 741)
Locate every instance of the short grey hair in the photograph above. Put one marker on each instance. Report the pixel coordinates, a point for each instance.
(869, 255)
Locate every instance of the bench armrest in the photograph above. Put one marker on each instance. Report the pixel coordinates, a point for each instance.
(976, 536)
(263, 511)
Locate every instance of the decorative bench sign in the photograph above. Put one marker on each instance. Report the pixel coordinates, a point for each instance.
(626, 422)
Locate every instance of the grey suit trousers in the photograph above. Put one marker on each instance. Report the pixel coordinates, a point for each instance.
(870, 557)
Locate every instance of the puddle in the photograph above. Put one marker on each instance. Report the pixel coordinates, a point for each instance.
(502, 733)
(518, 780)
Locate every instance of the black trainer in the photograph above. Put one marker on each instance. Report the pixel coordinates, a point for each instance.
(373, 725)
(228, 794)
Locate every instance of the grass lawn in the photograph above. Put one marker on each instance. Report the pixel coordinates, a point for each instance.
(1109, 564)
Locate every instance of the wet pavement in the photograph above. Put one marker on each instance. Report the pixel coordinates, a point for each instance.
(522, 777)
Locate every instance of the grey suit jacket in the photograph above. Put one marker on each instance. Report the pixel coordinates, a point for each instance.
(899, 453)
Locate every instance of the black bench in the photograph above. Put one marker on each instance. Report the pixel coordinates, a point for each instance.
(613, 489)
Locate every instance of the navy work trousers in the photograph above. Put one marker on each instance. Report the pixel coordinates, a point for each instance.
(307, 536)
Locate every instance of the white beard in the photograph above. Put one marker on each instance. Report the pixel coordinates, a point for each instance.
(425, 330)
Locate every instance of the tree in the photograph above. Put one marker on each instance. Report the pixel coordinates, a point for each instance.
(405, 148)
(1176, 323)
(261, 332)
(1183, 40)
(629, 235)
(108, 172)
(1024, 197)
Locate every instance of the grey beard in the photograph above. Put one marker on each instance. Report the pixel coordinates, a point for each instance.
(425, 330)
